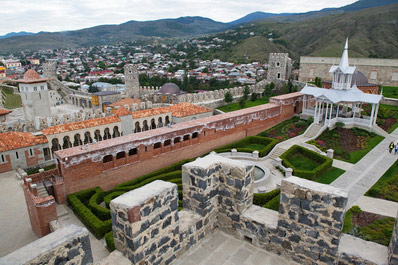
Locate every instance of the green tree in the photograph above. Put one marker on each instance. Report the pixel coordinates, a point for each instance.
(102, 65)
(242, 103)
(228, 97)
(253, 96)
(246, 93)
(318, 81)
(93, 89)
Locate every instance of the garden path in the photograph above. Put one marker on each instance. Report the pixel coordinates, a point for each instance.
(364, 174)
(378, 206)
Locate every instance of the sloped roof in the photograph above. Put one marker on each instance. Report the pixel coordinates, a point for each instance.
(343, 66)
(336, 96)
(80, 125)
(4, 111)
(15, 140)
(125, 101)
(122, 111)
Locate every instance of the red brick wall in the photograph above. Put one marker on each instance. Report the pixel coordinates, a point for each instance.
(6, 166)
(88, 173)
(33, 160)
(41, 211)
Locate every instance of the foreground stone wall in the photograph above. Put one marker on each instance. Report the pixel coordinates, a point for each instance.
(67, 245)
(393, 248)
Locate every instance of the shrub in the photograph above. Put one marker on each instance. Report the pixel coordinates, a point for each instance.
(268, 143)
(253, 96)
(324, 162)
(102, 213)
(261, 199)
(273, 204)
(300, 124)
(110, 243)
(96, 225)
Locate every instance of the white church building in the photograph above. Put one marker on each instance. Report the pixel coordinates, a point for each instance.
(341, 103)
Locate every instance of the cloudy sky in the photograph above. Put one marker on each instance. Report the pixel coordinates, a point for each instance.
(59, 15)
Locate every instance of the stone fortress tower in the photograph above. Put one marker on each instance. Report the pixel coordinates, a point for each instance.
(35, 95)
(131, 81)
(279, 66)
(50, 69)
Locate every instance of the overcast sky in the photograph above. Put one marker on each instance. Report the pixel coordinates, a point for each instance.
(59, 15)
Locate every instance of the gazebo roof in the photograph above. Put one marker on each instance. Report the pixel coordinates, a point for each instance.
(344, 67)
(336, 96)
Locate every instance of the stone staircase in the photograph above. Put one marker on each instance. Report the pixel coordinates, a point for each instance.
(277, 152)
(313, 130)
(41, 190)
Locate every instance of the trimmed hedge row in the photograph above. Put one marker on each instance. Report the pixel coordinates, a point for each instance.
(102, 213)
(166, 177)
(109, 241)
(96, 225)
(261, 199)
(325, 162)
(268, 143)
(173, 167)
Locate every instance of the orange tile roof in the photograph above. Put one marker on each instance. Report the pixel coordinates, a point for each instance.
(150, 112)
(80, 125)
(4, 111)
(122, 111)
(128, 101)
(15, 140)
(187, 109)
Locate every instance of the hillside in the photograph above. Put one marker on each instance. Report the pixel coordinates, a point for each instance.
(180, 27)
(372, 33)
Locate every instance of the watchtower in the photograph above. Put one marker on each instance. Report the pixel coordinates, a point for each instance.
(50, 69)
(279, 66)
(131, 81)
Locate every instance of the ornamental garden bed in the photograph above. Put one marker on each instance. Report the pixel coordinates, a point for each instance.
(387, 186)
(248, 104)
(387, 116)
(368, 226)
(348, 144)
(287, 129)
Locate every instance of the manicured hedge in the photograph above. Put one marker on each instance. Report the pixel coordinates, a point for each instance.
(261, 199)
(325, 162)
(173, 167)
(240, 145)
(96, 225)
(93, 204)
(273, 204)
(109, 240)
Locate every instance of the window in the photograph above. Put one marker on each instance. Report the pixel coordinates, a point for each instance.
(279, 75)
(39, 95)
(35, 88)
(107, 159)
(17, 155)
(3, 159)
(394, 76)
(195, 135)
(277, 64)
(186, 137)
(120, 155)
(30, 152)
(42, 87)
(133, 152)
(373, 75)
(167, 142)
(157, 145)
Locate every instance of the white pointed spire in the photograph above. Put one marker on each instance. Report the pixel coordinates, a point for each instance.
(344, 58)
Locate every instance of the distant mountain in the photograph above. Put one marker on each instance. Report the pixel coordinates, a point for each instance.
(372, 32)
(256, 16)
(13, 34)
(104, 34)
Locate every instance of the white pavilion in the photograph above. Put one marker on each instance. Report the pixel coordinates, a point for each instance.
(341, 103)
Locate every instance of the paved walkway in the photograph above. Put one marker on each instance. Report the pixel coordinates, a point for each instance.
(220, 248)
(378, 206)
(366, 172)
(342, 164)
(15, 229)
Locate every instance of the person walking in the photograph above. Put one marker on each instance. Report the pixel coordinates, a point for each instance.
(391, 147)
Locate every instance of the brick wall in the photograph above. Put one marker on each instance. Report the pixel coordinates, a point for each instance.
(83, 169)
(7, 166)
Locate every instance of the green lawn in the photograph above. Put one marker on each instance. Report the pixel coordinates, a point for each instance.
(249, 103)
(12, 100)
(302, 162)
(287, 129)
(387, 186)
(390, 91)
(255, 146)
(331, 175)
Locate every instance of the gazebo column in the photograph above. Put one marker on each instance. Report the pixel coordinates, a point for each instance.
(377, 110)
(331, 111)
(372, 115)
(337, 111)
(315, 112)
(304, 102)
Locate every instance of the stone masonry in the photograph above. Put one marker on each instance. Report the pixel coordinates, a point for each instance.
(279, 66)
(218, 193)
(393, 248)
(67, 245)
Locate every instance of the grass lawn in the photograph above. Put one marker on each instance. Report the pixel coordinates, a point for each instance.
(255, 146)
(249, 103)
(387, 186)
(12, 100)
(302, 162)
(331, 175)
(390, 91)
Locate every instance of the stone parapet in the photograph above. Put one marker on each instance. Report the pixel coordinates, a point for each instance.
(67, 245)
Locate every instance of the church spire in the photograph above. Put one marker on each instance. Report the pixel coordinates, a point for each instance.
(344, 58)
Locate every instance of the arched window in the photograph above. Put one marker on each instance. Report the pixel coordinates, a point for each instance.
(186, 137)
(167, 120)
(177, 140)
(87, 138)
(97, 135)
(67, 143)
(195, 135)
(137, 127)
(145, 126)
(160, 122)
(120, 155)
(153, 124)
(55, 145)
(157, 145)
(77, 140)
(167, 142)
(107, 134)
(132, 151)
(116, 132)
(107, 158)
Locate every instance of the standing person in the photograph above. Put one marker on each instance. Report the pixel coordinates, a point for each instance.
(391, 147)
(396, 149)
